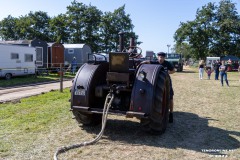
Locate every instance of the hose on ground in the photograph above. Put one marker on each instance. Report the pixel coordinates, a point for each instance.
(107, 105)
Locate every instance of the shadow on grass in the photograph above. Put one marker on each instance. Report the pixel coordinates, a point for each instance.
(233, 79)
(188, 71)
(189, 131)
(232, 86)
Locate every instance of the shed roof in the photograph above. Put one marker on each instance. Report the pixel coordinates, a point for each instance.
(73, 45)
(50, 44)
(16, 42)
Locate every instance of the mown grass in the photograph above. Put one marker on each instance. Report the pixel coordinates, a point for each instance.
(206, 116)
(24, 80)
(22, 122)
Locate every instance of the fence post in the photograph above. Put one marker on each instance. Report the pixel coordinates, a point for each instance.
(61, 78)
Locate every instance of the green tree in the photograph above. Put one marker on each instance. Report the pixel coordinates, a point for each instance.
(23, 28)
(214, 32)
(39, 25)
(33, 25)
(75, 14)
(59, 29)
(198, 33)
(7, 28)
(80, 24)
(227, 24)
(113, 23)
(90, 31)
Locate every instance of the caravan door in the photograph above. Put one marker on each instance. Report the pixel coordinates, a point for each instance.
(39, 56)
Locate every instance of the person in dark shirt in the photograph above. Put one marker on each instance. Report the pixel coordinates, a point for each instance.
(169, 68)
(216, 69)
(201, 69)
(223, 73)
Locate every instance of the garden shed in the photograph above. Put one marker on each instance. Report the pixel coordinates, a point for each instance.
(55, 55)
(79, 51)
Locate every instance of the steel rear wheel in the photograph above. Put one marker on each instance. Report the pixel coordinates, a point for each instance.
(158, 118)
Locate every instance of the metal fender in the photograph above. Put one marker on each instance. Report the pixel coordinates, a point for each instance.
(144, 84)
(87, 77)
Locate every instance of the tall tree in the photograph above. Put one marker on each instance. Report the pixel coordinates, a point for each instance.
(23, 28)
(7, 28)
(228, 29)
(59, 29)
(90, 31)
(75, 15)
(214, 32)
(39, 25)
(198, 33)
(80, 24)
(33, 25)
(111, 25)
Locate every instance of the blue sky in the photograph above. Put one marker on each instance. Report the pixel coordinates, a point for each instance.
(155, 21)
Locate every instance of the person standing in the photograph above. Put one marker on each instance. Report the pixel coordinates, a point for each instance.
(169, 68)
(209, 72)
(216, 69)
(74, 65)
(223, 73)
(201, 69)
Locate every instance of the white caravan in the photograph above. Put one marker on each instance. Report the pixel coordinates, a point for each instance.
(16, 60)
(210, 61)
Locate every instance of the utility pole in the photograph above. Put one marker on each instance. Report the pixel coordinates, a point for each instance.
(168, 48)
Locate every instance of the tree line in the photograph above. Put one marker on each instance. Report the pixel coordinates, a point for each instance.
(80, 24)
(214, 32)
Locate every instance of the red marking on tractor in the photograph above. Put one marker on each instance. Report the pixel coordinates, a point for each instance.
(139, 108)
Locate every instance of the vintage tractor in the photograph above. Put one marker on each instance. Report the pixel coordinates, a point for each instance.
(140, 91)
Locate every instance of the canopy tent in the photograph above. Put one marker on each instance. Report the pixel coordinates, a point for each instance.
(231, 57)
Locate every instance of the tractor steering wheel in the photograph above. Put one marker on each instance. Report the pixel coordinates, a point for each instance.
(131, 50)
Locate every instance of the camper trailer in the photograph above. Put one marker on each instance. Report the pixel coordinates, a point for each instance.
(210, 61)
(41, 49)
(16, 60)
(79, 51)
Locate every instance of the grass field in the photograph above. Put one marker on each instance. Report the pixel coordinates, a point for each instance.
(206, 126)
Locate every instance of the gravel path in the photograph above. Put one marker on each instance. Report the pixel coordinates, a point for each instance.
(16, 93)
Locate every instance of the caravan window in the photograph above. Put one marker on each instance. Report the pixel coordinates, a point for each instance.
(70, 51)
(28, 58)
(14, 56)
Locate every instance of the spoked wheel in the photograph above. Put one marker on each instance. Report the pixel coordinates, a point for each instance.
(158, 118)
(133, 51)
(87, 119)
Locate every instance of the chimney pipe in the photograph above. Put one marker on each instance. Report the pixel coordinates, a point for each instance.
(132, 42)
(121, 41)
